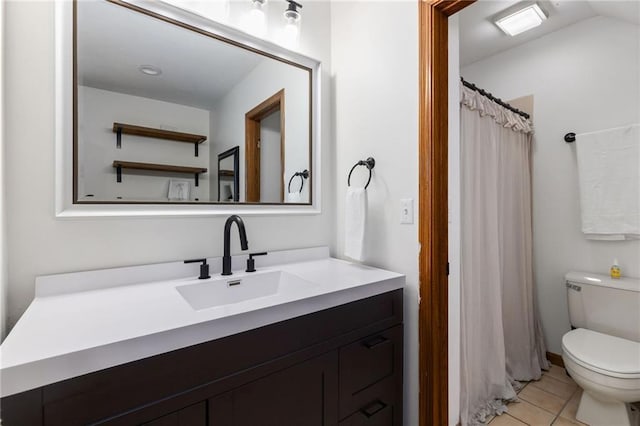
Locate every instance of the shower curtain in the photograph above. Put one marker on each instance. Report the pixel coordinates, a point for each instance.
(501, 339)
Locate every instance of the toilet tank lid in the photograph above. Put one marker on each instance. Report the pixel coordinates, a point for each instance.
(587, 278)
(611, 355)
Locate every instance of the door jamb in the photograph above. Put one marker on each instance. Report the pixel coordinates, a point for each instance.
(433, 208)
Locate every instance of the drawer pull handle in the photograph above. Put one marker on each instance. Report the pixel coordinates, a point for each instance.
(376, 341)
(373, 408)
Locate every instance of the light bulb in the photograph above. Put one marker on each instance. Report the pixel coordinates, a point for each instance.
(290, 33)
(256, 21)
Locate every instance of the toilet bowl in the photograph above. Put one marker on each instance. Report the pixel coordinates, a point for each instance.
(607, 368)
(602, 353)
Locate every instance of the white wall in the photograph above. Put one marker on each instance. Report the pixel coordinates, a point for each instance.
(39, 244)
(97, 111)
(375, 95)
(265, 80)
(454, 220)
(584, 77)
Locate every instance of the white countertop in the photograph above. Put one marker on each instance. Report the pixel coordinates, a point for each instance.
(87, 321)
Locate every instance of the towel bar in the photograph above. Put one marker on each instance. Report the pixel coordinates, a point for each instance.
(303, 175)
(370, 163)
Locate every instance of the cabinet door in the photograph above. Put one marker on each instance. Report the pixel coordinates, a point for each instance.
(305, 394)
(194, 415)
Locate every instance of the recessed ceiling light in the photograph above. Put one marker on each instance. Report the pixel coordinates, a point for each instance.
(149, 70)
(523, 19)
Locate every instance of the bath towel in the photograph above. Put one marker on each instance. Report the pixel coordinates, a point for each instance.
(355, 223)
(609, 179)
(294, 197)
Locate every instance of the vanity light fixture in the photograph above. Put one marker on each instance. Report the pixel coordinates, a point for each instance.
(291, 31)
(256, 21)
(292, 15)
(524, 18)
(150, 70)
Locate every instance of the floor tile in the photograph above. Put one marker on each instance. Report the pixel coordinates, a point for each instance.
(524, 385)
(559, 373)
(561, 421)
(488, 420)
(542, 399)
(506, 420)
(530, 414)
(570, 410)
(556, 387)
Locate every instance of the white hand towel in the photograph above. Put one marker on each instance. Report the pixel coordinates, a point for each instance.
(294, 197)
(355, 223)
(609, 178)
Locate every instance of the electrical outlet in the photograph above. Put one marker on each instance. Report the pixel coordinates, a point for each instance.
(406, 210)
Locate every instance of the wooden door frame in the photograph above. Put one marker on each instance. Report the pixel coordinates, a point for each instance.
(251, 148)
(433, 208)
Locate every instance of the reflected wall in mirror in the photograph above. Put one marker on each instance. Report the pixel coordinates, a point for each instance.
(158, 100)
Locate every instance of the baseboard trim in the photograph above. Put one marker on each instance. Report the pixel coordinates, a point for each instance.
(555, 359)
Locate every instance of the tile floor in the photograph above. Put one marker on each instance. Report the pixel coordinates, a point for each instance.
(552, 400)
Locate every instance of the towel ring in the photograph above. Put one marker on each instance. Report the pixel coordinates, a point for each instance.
(303, 175)
(370, 163)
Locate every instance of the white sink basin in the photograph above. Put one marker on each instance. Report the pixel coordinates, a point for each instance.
(226, 290)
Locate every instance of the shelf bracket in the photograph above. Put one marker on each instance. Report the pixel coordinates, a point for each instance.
(119, 139)
(197, 175)
(196, 145)
(119, 174)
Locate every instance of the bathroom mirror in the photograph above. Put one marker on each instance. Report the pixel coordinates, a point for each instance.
(163, 96)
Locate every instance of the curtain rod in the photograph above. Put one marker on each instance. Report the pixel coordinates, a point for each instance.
(493, 98)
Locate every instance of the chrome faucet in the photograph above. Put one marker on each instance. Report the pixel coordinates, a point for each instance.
(226, 259)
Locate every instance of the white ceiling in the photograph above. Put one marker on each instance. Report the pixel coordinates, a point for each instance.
(113, 42)
(480, 37)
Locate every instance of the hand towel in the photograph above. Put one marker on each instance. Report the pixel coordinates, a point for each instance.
(355, 223)
(609, 179)
(294, 197)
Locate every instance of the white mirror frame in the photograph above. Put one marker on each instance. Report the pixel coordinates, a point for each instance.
(64, 206)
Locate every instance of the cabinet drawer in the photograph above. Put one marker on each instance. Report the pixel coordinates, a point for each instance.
(377, 408)
(366, 363)
(384, 417)
(194, 415)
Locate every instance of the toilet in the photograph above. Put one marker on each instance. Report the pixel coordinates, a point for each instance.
(602, 351)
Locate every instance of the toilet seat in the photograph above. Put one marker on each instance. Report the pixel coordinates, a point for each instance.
(607, 355)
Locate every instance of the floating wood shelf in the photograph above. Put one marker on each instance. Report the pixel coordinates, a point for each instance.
(119, 165)
(150, 132)
(226, 173)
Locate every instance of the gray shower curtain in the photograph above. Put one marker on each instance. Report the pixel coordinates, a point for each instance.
(501, 339)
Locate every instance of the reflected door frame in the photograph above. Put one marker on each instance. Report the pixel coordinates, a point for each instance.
(252, 145)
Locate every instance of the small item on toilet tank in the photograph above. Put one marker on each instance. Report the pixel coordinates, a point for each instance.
(615, 269)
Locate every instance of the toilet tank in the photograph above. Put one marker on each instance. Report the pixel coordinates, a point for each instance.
(600, 303)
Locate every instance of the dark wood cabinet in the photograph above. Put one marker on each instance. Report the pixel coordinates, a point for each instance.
(340, 366)
(298, 395)
(193, 415)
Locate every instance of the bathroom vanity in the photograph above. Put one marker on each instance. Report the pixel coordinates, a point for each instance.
(323, 347)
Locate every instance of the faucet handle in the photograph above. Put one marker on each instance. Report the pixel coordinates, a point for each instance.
(251, 263)
(204, 268)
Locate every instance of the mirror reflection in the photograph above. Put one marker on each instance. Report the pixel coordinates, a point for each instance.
(169, 114)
